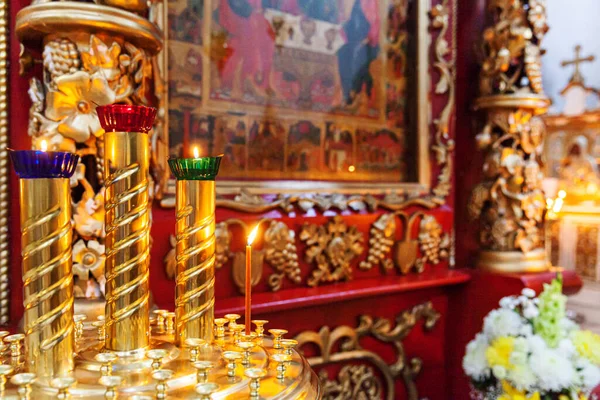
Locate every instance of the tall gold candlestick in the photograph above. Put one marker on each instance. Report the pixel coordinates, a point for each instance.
(248, 283)
(46, 238)
(126, 172)
(196, 246)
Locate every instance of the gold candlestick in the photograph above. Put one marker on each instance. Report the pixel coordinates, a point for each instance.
(195, 215)
(126, 171)
(46, 238)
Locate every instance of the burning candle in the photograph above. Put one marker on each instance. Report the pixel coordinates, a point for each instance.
(251, 238)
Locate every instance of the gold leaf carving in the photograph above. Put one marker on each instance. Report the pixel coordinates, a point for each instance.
(332, 247)
(281, 254)
(357, 362)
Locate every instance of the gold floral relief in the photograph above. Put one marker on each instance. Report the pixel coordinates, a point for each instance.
(364, 374)
(332, 247)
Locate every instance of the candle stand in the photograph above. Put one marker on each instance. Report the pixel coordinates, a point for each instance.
(131, 353)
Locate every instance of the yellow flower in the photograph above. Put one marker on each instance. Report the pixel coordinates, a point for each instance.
(73, 104)
(499, 352)
(588, 345)
(510, 393)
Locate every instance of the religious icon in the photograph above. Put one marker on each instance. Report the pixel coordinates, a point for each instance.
(380, 151)
(230, 140)
(339, 148)
(266, 147)
(304, 147)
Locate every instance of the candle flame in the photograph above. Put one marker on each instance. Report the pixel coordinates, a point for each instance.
(196, 151)
(44, 145)
(252, 235)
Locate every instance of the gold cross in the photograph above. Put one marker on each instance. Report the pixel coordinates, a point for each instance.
(577, 78)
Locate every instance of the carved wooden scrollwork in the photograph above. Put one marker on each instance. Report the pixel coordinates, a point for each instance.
(364, 373)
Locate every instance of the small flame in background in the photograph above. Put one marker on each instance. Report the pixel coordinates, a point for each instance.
(196, 151)
(44, 145)
(252, 235)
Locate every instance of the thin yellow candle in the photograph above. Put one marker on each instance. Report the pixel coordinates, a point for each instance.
(251, 238)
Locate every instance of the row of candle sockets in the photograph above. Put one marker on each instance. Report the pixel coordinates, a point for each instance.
(23, 380)
(164, 322)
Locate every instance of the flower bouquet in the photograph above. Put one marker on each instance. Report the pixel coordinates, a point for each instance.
(530, 350)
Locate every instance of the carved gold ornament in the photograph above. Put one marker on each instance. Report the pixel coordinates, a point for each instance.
(73, 104)
(444, 63)
(223, 243)
(433, 242)
(509, 203)
(88, 258)
(380, 243)
(332, 247)
(352, 382)
(239, 269)
(281, 254)
(364, 373)
(511, 47)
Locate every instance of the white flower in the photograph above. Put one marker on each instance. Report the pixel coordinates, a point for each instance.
(502, 322)
(568, 325)
(499, 372)
(526, 330)
(554, 371)
(475, 363)
(566, 348)
(536, 343)
(520, 351)
(528, 292)
(589, 374)
(522, 376)
(509, 302)
(530, 311)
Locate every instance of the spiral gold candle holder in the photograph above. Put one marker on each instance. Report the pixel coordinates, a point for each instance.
(195, 277)
(126, 171)
(46, 238)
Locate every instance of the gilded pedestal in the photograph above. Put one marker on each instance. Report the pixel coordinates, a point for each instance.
(47, 275)
(195, 271)
(195, 281)
(127, 224)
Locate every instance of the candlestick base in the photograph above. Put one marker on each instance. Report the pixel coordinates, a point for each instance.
(135, 369)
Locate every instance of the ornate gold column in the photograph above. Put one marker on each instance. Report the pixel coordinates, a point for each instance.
(46, 237)
(196, 246)
(126, 171)
(509, 204)
(47, 278)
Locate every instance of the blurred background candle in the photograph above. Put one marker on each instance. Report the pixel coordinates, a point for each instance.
(196, 245)
(46, 238)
